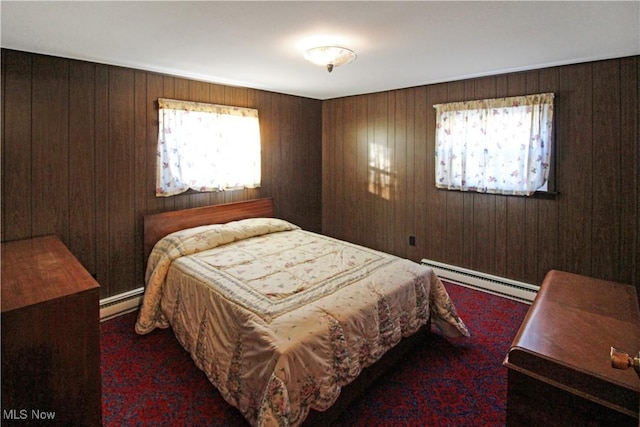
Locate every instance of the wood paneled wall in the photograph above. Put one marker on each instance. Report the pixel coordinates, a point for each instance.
(378, 178)
(78, 157)
(78, 160)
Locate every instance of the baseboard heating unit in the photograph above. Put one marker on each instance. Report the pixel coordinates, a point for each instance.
(496, 285)
(123, 303)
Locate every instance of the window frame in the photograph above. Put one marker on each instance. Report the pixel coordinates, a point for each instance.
(231, 147)
(469, 144)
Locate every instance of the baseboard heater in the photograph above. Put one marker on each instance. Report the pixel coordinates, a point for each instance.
(123, 303)
(496, 285)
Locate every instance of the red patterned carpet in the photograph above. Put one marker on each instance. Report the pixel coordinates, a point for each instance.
(151, 381)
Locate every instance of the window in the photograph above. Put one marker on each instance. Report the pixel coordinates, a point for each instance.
(206, 147)
(495, 145)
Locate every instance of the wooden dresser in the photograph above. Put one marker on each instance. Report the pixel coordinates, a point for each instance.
(50, 336)
(559, 365)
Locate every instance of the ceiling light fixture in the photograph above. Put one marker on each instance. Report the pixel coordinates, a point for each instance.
(329, 56)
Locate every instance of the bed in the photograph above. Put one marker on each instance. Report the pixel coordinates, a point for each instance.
(280, 319)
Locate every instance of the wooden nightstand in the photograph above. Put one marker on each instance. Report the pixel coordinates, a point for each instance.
(50, 336)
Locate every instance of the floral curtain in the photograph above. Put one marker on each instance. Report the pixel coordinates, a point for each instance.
(206, 147)
(495, 145)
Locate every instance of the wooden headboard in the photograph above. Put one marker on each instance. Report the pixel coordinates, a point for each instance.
(159, 225)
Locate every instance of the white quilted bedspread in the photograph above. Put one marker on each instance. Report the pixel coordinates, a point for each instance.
(280, 318)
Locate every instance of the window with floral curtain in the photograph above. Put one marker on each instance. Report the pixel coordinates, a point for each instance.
(206, 147)
(501, 146)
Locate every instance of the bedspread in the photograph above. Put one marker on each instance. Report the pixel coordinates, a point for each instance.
(280, 318)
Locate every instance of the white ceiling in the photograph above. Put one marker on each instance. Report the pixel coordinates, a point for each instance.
(260, 44)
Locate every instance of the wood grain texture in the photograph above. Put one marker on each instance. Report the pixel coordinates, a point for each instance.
(565, 340)
(101, 170)
(50, 332)
(79, 144)
(38, 270)
(590, 227)
(429, 210)
(121, 178)
(159, 225)
(629, 249)
(575, 152)
(317, 164)
(606, 168)
(82, 181)
(16, 155)
(50, 147)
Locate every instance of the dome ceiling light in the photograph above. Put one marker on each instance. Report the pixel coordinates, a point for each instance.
(329, 56)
